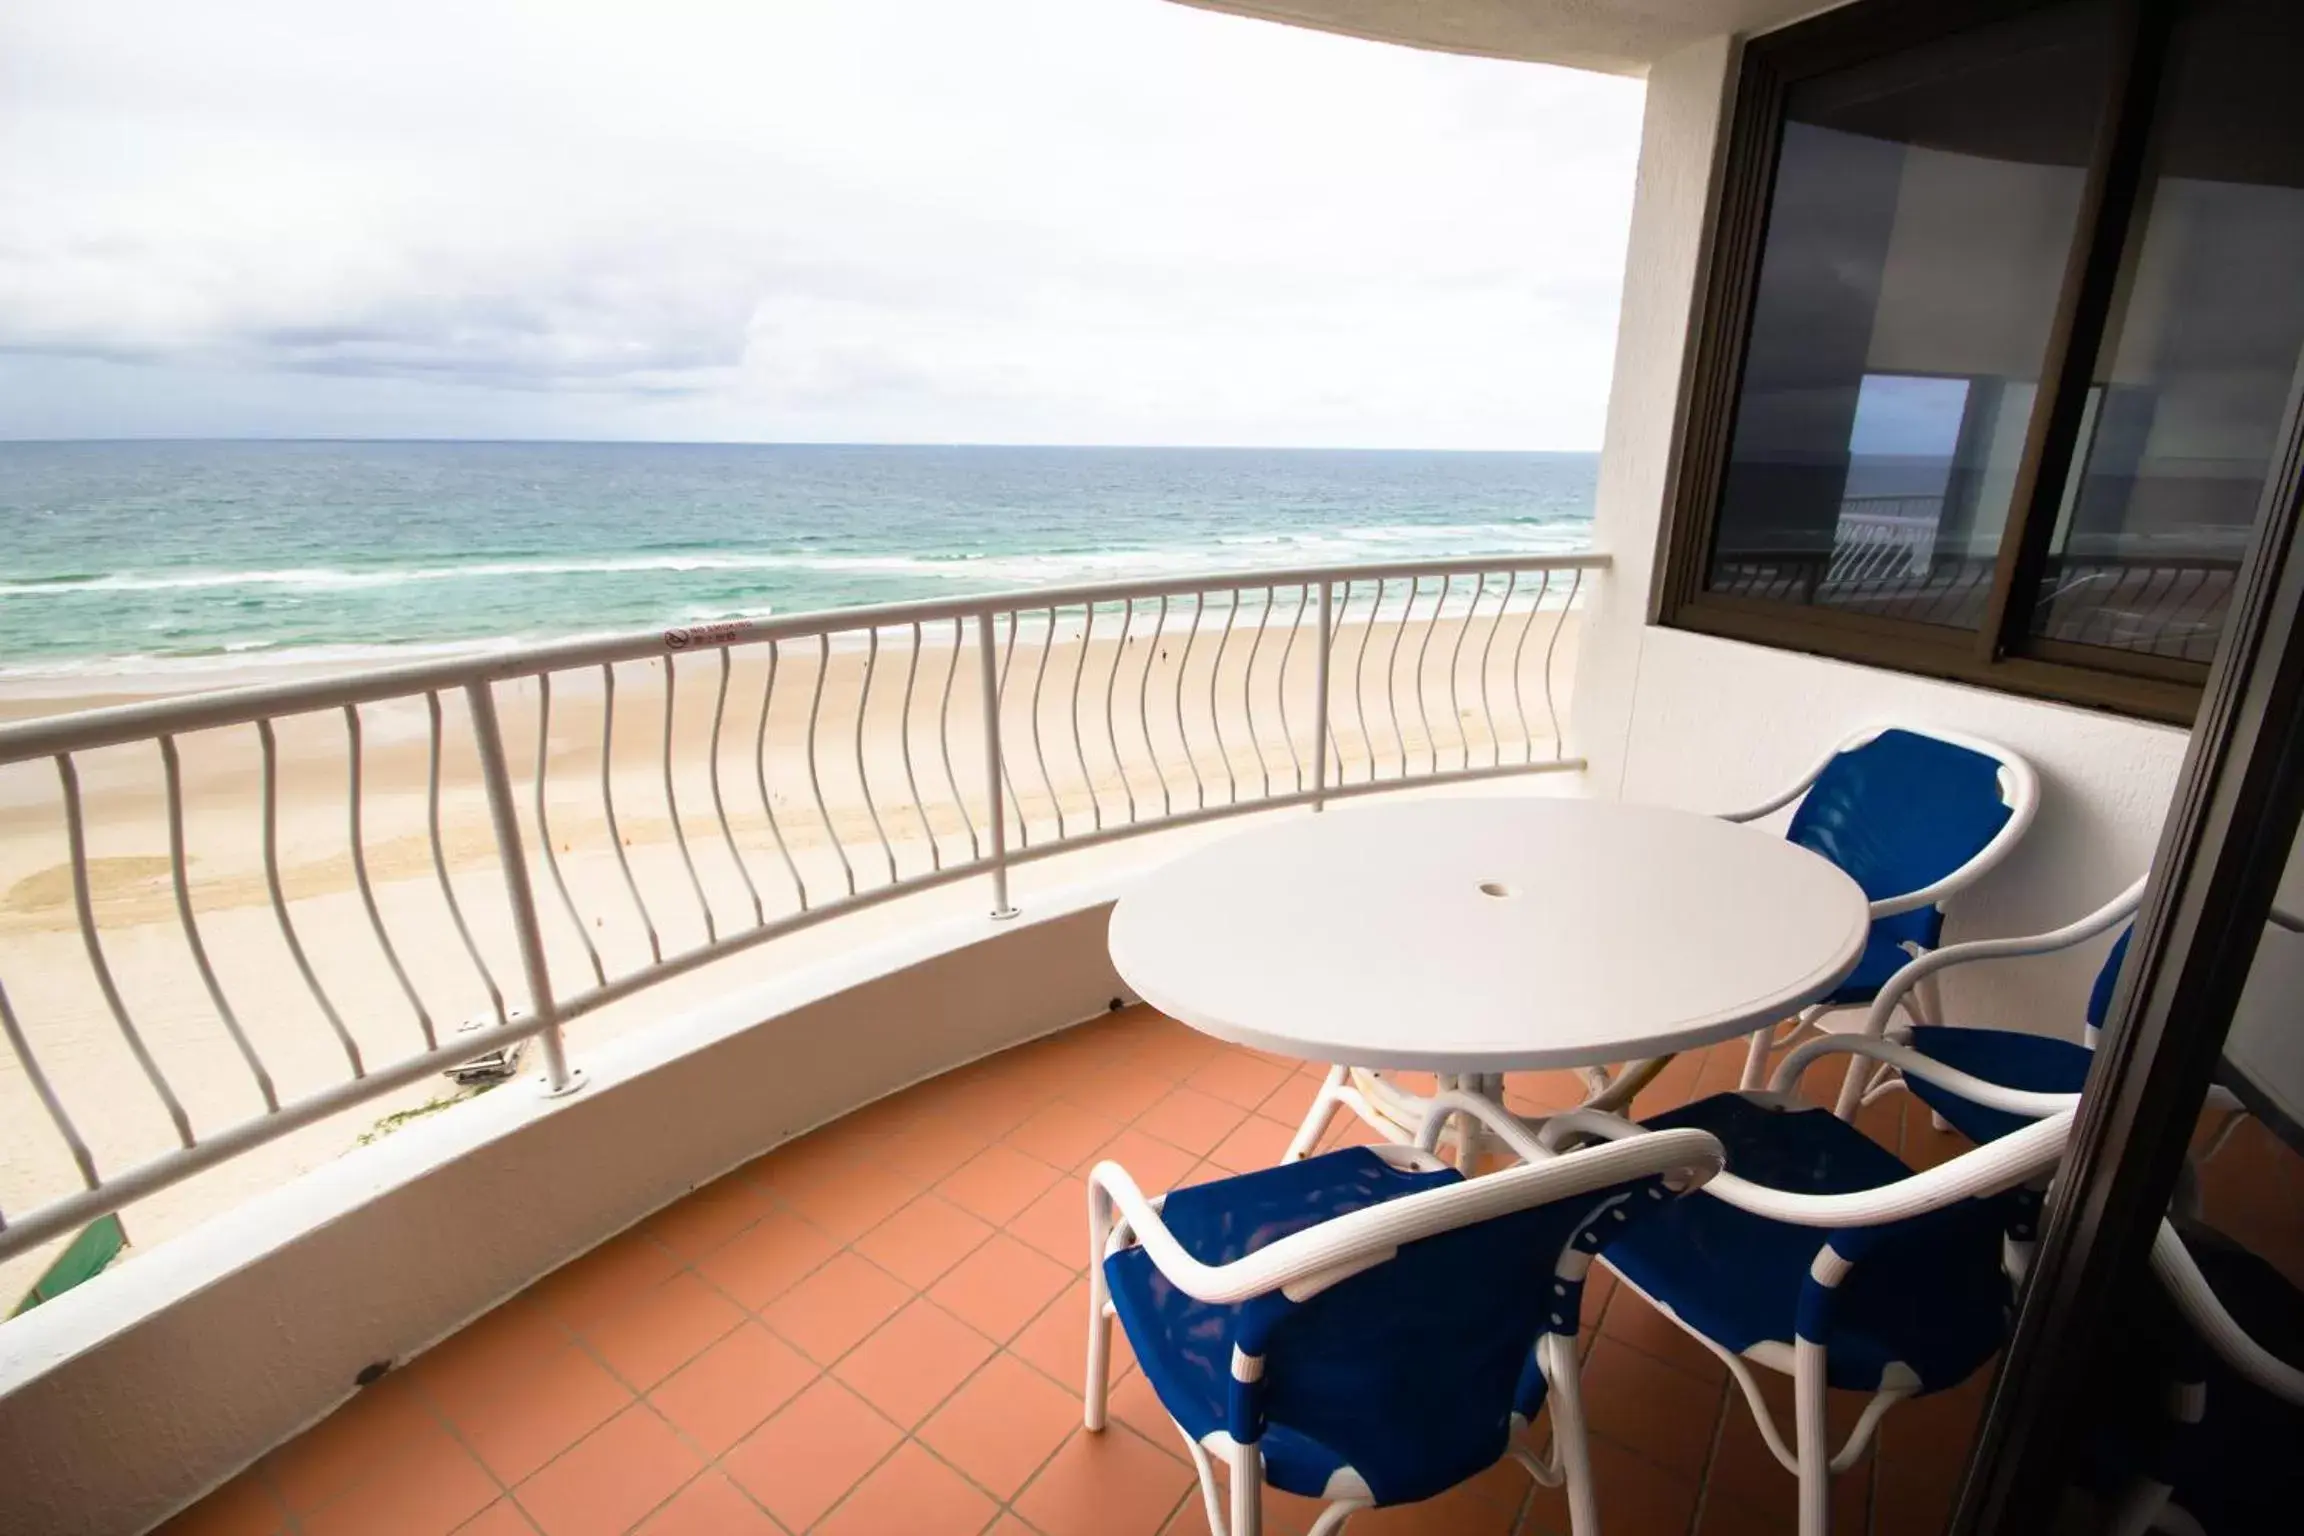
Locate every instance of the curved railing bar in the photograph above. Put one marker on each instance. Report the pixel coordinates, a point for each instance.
(1183, 665)
(944, 745)
(904, 735)
(863, 775)
(1359, 657)
(1519, 664)
(271, 798)
(719, 806)
(1287, 650)
(1039, 675)
(608, 805)
(1216, 715)
(178, 866)
(1247, 696)
(1392, 675)
(815, 786)
(1144, 702)
(1551, 706)
(996, 720)
(1455, 664)
(672, 801)
(1079, 749)
(440, 860)
(760, 773)
(57, 1116)
(1112, 730)
(1488, 645)
(353, 753)
(544, 831)
(1416, 670)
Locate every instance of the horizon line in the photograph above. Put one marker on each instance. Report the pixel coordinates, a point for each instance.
(661, 442)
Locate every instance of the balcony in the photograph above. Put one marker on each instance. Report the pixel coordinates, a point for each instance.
(841, 878)
(880, 1327)
(243, 915)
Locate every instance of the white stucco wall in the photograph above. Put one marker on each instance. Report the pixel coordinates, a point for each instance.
(1686, 719)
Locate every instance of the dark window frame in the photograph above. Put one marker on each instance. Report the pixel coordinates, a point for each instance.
(2001, 653)
(2218, 865)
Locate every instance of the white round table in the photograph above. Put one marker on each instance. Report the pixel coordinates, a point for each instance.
(1476, 937)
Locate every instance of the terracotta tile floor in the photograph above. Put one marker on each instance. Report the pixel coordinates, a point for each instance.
(878, 1331)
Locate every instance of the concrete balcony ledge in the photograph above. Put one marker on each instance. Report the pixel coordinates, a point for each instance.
(125, 1399)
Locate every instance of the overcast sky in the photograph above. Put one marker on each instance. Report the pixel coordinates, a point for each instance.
(1050, 221)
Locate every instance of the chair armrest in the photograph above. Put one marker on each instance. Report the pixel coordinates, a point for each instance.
(1604, 1124)
(1796, 789)
(1985, 1170)
(1318, 1255)
(2016, 1101)
(1531, 1147)
(2198, 1303)
(1892, 991)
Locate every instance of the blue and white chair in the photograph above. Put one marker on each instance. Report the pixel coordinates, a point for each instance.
(2215, 1451)
(1822, 1255)
(1983, 1083)
(1368, 1327)
(1914, 817)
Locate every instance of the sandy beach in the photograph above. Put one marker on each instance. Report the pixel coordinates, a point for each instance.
(1123, 731)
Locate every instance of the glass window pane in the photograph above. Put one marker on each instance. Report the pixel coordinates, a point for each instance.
(2170, 1397)
(1923, 214)
(2202, 351)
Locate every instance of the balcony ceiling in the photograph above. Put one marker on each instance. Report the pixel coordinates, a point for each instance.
(1619, 37)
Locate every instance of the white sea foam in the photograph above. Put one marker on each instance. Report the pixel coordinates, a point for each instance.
(1180, 617)
(977, 568)
(245, 661)
(328, 579)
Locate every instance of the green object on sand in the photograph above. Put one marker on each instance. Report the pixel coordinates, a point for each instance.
(98, 1244)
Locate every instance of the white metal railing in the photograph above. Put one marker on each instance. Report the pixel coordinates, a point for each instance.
(1883, 538)
(273, 930)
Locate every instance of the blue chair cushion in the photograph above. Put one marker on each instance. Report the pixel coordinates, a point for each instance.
(1899, 814)
(1409, 1373)
(2035, 1063)
(1932, 1298)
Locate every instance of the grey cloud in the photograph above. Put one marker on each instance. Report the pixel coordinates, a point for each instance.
(870, 219)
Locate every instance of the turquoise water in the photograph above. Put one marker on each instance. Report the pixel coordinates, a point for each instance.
(118, 557)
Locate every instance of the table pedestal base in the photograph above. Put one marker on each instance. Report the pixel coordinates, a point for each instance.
(1398, 1113)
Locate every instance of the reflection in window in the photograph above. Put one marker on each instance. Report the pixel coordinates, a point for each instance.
(1924, 211)
(2202, 353)
(2173, 1426)
(1905, 462)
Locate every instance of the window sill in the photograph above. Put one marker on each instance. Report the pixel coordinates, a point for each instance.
(1895, 647)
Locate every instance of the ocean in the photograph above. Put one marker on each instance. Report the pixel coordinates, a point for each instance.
(146, 558)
